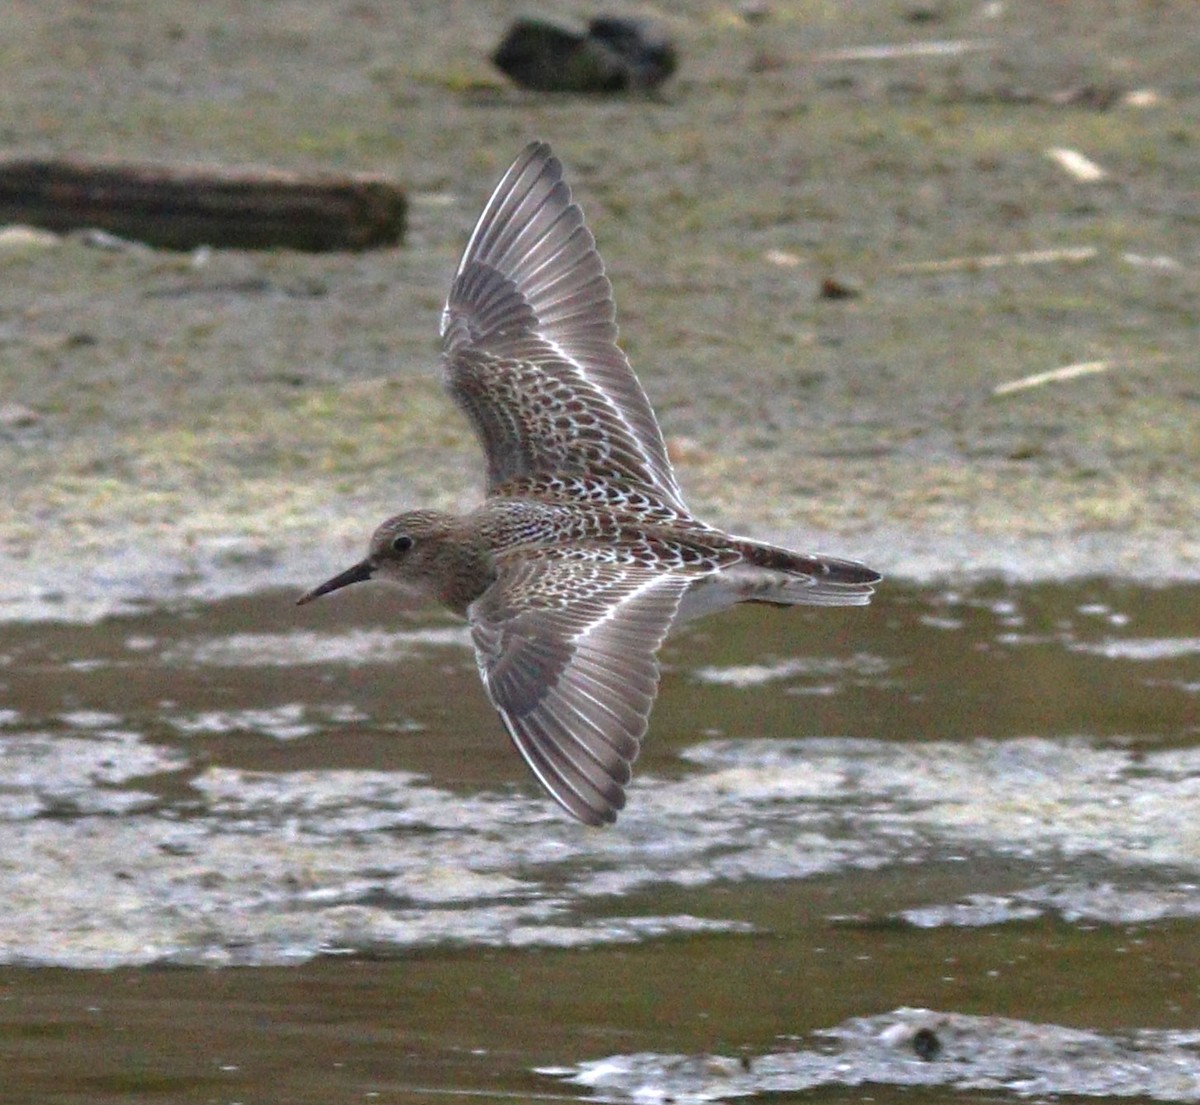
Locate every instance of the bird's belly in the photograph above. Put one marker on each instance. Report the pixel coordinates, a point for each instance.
(721, 590)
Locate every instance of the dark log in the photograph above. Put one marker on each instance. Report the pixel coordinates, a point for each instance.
(186, 207)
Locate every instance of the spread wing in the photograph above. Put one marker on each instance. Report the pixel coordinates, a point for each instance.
(566, 648)
(529, 343)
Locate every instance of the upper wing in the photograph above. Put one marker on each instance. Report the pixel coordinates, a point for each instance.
(566, 648)
(529, 343)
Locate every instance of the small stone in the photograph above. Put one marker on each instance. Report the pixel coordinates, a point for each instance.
(1141, 97)
(836, 287)
(924, 13)
(926, 1044)
(755, 11)
(782, 258)
(14, 416)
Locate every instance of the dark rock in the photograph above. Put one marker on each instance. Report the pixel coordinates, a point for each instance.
(926, 1044)
(837, 287)
(648, 54)
(924, 13)
(612, 55)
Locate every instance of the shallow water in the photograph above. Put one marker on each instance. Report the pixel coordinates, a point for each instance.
(952, 840)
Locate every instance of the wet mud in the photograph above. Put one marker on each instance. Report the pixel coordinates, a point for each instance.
(981, 802)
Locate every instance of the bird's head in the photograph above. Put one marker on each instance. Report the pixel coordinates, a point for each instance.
(414, 550)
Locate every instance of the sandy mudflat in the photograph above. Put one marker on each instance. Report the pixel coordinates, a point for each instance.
(175, 424)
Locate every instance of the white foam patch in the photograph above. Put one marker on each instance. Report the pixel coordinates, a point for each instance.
(300, 647)
(918, 1048)
(1029, 797)
(272, 867)
(743, 676)
(290, 721)
(44, 772)
(1142, 648)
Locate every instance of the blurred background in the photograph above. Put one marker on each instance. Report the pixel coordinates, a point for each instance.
(913, 281)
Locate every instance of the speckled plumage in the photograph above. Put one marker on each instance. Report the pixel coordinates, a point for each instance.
(583, 556)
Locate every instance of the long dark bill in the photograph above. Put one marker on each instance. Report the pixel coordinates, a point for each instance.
(360, 573)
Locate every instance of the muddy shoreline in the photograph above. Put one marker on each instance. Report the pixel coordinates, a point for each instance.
(189, 426)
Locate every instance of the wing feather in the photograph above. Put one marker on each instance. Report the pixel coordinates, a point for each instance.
(567, 652)
(529, 343)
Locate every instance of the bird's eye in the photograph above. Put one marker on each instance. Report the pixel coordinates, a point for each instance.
(402, 543)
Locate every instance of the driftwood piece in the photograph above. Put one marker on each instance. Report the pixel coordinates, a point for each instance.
(186, 207)
(1067, 372)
